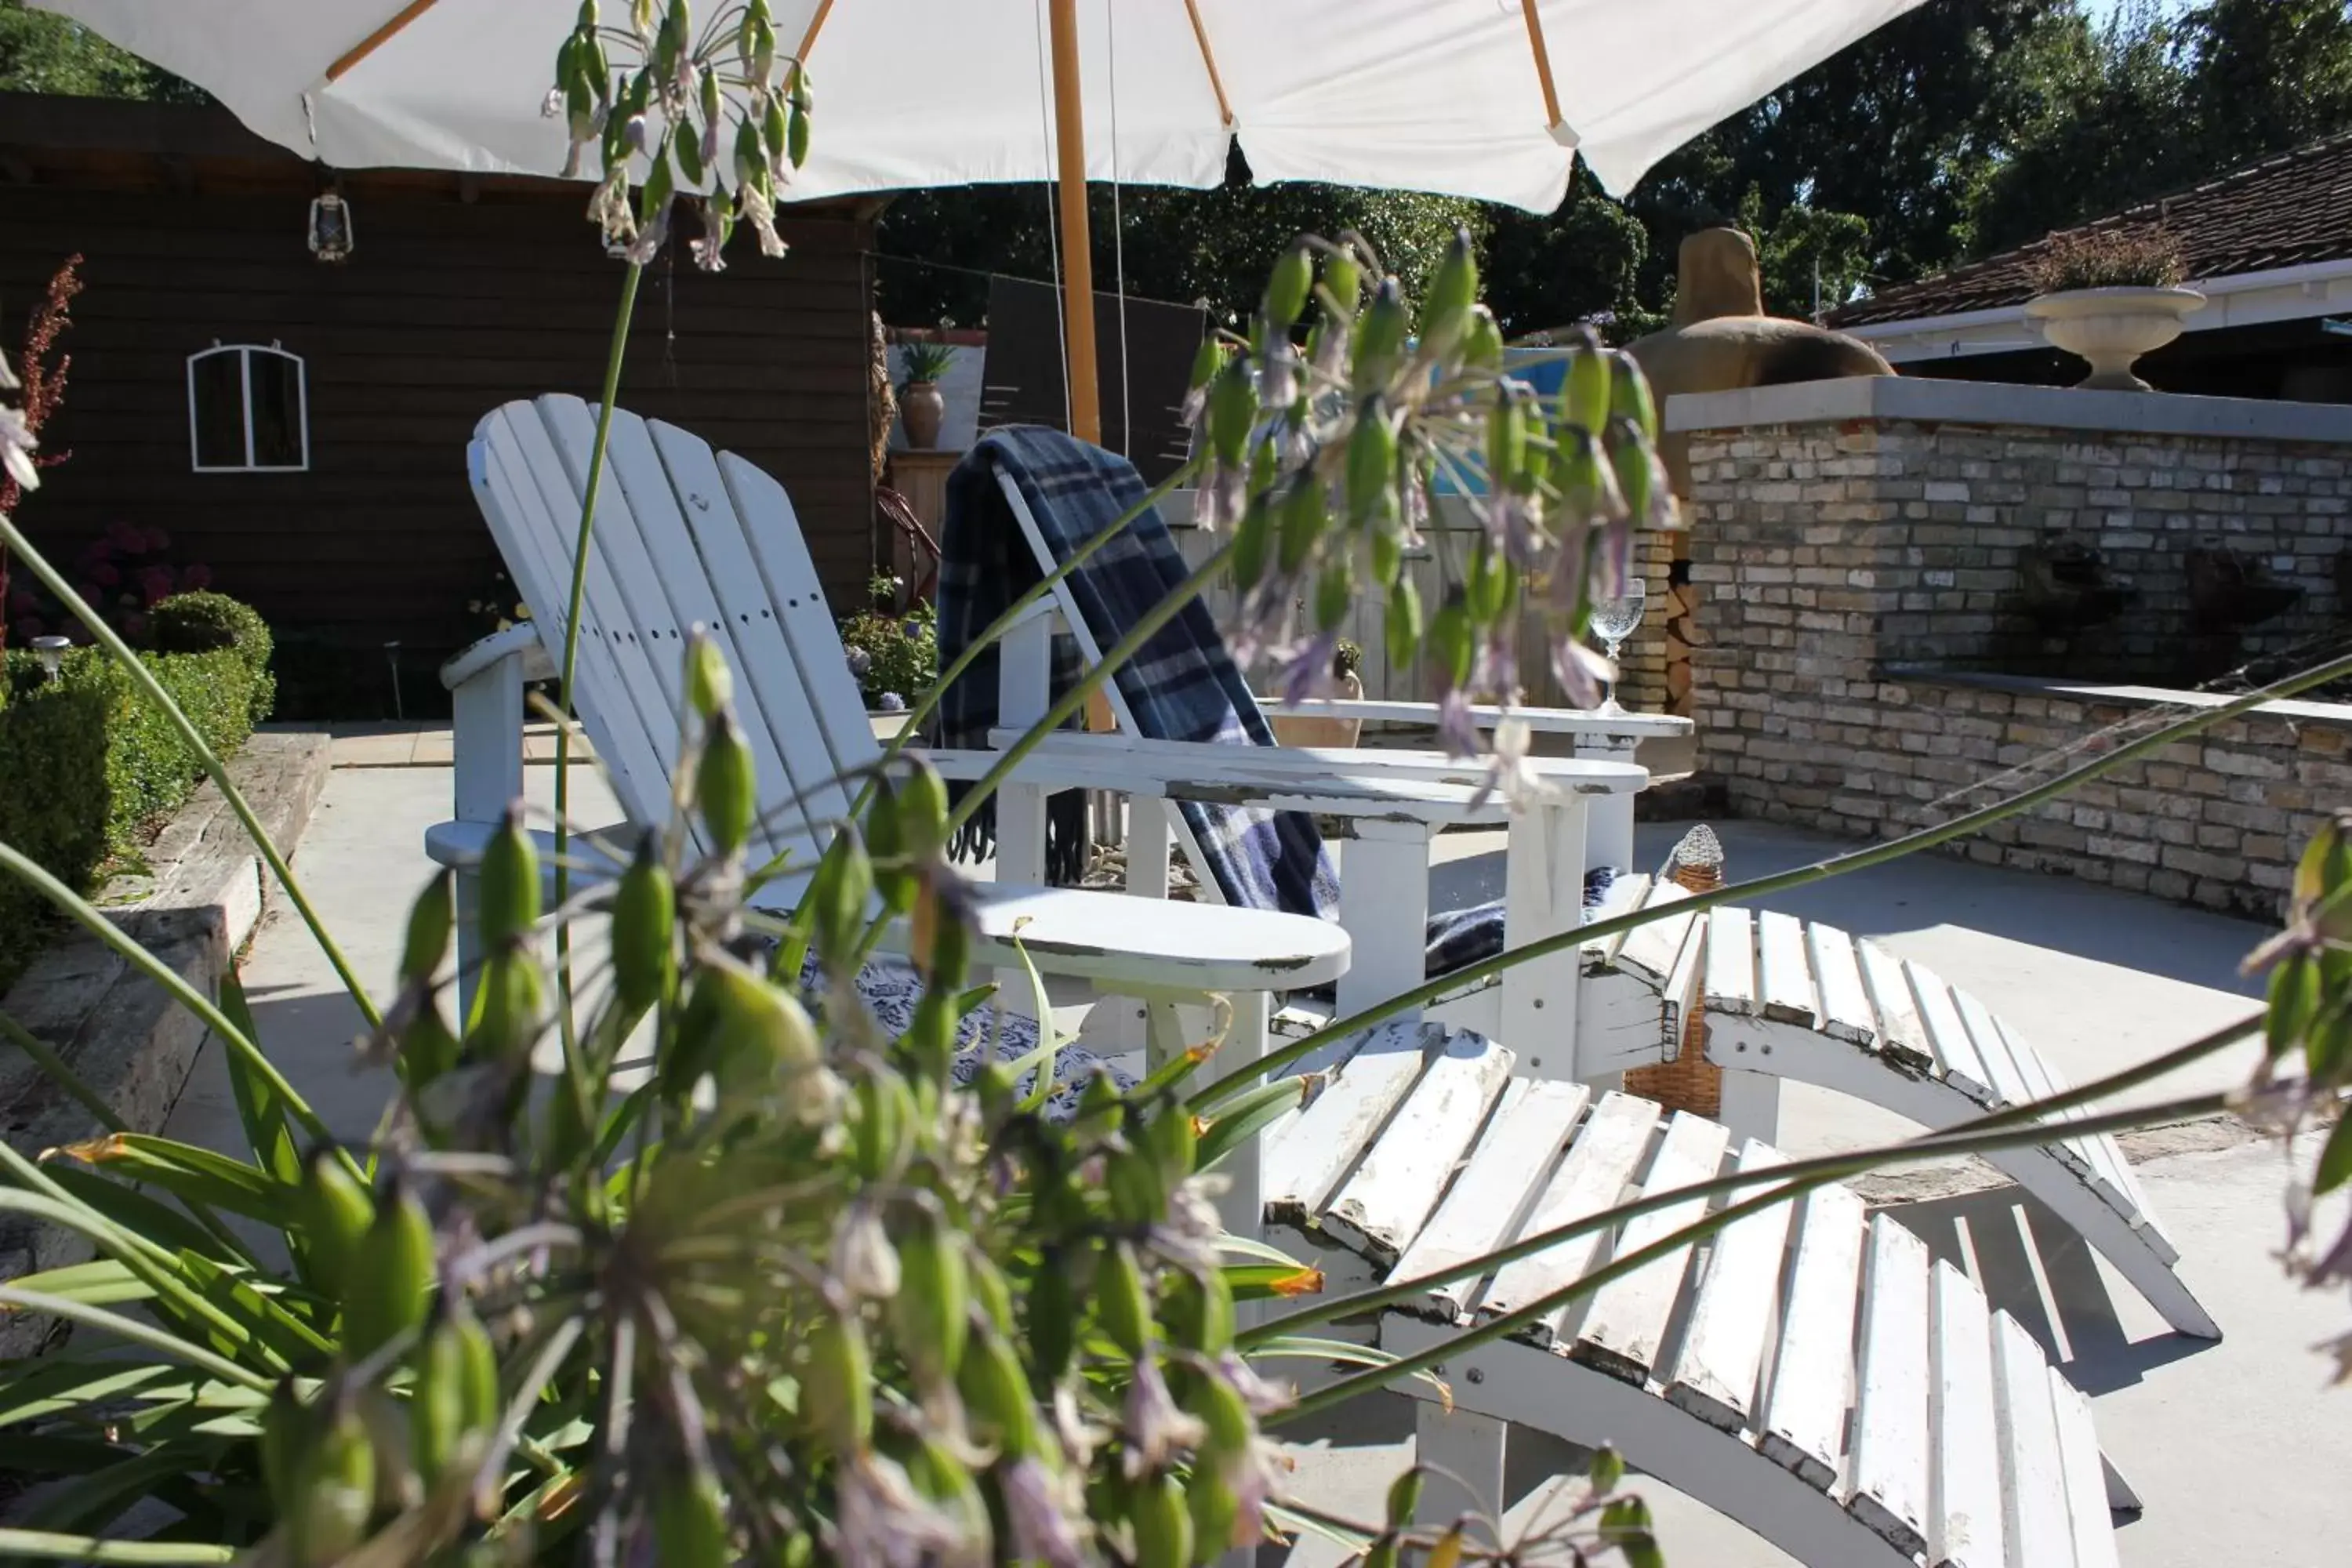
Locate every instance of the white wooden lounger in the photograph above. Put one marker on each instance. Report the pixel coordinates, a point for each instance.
(1812, 1374)
(1785, 998)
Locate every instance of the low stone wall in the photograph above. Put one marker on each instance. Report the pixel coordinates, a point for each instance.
(2216, 821)
(1854, 544)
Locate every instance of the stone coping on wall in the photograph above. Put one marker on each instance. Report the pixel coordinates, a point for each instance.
(2335, 715)
(1925, 400)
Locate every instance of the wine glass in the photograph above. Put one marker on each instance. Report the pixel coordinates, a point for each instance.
(1614, 619)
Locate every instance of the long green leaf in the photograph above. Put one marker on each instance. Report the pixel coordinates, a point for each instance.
(96, 1500)
(188, 1171)
(1312, 1347)
(53, 1383)
(53, 1068)
(2335, 1159)
(1048, 1048)
(153, 1338)
(259, 1104)
(1245, 1116)
(1272, 1281)
(241, 1296)
(49, 1545)
(134, 1212)
(103, 1281)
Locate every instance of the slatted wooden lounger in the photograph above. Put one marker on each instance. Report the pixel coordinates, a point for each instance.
(1812, 1374)
(1794, 999)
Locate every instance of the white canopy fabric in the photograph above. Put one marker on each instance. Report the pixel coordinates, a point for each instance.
(1431, 95)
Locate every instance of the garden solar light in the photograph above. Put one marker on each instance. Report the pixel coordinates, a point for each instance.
(51, 652)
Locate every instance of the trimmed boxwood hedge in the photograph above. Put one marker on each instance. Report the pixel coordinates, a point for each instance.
(85, 761)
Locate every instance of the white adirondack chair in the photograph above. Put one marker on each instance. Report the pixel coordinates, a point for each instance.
(1422, 1146)
(1785, 999)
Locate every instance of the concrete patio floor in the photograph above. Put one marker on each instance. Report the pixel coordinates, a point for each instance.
(2237, 1447)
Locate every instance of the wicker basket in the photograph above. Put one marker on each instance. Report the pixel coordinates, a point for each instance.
(1690, 1082)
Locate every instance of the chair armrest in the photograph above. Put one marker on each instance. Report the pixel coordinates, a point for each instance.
(1584, 724)
(518, 641)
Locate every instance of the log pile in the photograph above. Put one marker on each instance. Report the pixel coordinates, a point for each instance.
(1682, 634)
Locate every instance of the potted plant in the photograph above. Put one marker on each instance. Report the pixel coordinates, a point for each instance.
(2109, 296)
(920, 406)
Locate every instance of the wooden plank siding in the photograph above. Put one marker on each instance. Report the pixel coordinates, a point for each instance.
(461, 295)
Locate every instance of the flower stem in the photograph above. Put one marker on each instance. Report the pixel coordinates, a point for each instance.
(1780, 881)
(614, 357)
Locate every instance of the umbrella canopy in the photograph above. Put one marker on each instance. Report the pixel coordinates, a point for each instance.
(1488, 99)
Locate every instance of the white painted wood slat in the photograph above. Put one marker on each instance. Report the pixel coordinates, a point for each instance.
(1719, 1364)
(1965, 1527)
(1730, 961)
(1955, 1052)
(2086, 1479)
(1649, 950)
(1786, 981)
(1890, 1425)
(2041, 1531)
(1322, 1145)
(1679, 994)
(1812, 1375)
(1591, 1179)
(1902, 1037)
(1382, 1206)
(2098, 1153)
(1625, 895)
(1837, 975)
(1513, 1160)
(2007, 1081)
(1625, 1326)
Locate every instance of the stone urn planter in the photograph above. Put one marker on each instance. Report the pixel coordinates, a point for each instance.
(2111, 328)
(921, 407)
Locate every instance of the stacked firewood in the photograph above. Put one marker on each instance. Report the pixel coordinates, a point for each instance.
(1682, 635)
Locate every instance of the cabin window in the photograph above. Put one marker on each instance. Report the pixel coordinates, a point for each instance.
(248, 410)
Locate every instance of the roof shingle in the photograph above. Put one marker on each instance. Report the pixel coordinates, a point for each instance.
(2285, 211)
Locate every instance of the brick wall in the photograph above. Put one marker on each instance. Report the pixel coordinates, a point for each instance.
(1857, 560)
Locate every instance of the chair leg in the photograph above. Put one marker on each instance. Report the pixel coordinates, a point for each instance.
(1241, 1205)
(468, 906)
(1464, 1452)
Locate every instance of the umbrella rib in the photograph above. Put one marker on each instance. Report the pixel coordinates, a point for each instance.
(1209, 58)
(380, 36)
(808, 39)
(1543, 62)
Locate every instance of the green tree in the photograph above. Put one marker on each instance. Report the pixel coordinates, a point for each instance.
(1581, 263)
(44, 53)
(1180, 245)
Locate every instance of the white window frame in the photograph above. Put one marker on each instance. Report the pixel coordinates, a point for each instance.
(244, 352)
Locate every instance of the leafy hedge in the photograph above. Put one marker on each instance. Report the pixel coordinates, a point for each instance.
(89, 761)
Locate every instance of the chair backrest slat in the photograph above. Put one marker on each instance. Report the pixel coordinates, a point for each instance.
(524, 491)
(772, 687)
(797, 597)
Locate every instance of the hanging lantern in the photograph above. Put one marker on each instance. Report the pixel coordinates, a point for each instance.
(330, 226)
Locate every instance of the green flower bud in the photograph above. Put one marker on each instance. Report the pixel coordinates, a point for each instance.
(991, 1298)
(510, 996)
(1404, 1498)
(1122, 1302)
(726, 785)
(894, 876)
(1206, 361)
(1379, 337)
(996, 1393)
(1343, 281)
(1372, 461)
(1387, 548)
(1163, 1525)
(1482, 340)
(427, 1049)
(796, 142)
(391, 1275)
(1196, 1309)
(930, 1316)
(1286, 288)
(923, 812)
(884, 1134)
(454, 1398)
(1585, 390)
(1451, 293)
(1452, 643)
(1174, 1139)
(1251, 536)
(837, 1381)
(1507, 441)
(1486, 588)
(1232, 410)
(337, 1211)
(1335, 596)
(1628, 395)
(685, 147)
(327, 1517)
(508, 891)
(645, 929)
(1635, 469)
(1588, 489)
(838, 892)
(430, 920)
(690, 1521)
(709, 684)
(776, 128)
(1403, 625)
(1303, 516)
(1053, 1317)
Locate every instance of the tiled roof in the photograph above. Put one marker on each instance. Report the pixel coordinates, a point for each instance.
(2283, 211)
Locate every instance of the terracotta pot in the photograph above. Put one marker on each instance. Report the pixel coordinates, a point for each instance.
(2112, 327)
(921, 409)
(1296, 730)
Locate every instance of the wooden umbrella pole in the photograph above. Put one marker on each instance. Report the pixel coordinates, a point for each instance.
(1077, 250)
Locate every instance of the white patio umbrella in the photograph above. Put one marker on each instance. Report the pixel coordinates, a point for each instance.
(1489, 98)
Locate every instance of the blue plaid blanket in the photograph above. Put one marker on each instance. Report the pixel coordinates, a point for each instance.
(1181, 686)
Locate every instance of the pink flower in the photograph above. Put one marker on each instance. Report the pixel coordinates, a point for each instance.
(155, 582)
(196, 577)
(103, 573)
(23, 601)
(127, 536)
(158, 540)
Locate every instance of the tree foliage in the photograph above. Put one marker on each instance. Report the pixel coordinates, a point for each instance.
(45, 53)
